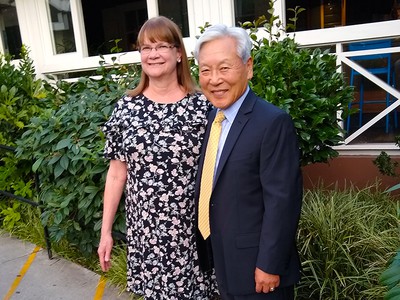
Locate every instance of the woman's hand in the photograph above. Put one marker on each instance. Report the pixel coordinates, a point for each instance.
(104, 251)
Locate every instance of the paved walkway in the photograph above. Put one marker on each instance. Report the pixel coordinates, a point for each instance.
(26, 273)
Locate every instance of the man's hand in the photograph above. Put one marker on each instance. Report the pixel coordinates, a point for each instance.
(265, 283)
(104, 252)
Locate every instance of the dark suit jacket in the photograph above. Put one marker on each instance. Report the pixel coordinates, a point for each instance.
(256, 201)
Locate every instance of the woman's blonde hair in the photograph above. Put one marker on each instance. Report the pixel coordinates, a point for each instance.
(163, 29)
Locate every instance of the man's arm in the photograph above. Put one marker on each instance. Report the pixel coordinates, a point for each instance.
(281, 181)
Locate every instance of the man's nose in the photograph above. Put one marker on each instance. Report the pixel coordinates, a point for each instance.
(215, 77)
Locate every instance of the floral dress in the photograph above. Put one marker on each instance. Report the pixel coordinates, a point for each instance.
(160, 144)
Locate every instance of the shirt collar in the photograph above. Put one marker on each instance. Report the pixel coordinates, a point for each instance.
(231, 112)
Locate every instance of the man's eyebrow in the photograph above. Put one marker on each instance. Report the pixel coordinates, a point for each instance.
(224, 61)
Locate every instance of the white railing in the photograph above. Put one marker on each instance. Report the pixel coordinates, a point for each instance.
(343, 57)
(336, 38)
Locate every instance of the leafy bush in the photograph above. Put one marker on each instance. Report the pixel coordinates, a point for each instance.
(10, 215)
(385, 164)
(388, 166)
(67, 145)
(346, 239)
(22, 96)
(303, 82)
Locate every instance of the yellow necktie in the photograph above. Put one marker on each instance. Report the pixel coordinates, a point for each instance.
(207, 175)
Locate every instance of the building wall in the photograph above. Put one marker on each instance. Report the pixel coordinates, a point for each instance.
(344, 171)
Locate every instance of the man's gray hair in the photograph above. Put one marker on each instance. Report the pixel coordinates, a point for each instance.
(218, 31)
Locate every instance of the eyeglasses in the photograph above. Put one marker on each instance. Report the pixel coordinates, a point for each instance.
(145, 50)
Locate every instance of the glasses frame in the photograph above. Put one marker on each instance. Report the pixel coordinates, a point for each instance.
(162, 48)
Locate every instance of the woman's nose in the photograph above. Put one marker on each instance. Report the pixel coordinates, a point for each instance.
(153, 52)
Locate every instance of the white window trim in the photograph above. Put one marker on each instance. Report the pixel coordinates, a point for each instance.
(2, 37)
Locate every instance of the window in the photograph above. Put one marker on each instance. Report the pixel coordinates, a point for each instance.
(9, 28)
(250, 10)
(331, 13)
(177, 11)
(108, 21)
(61, 24)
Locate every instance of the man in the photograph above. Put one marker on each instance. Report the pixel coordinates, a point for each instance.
(255, 203)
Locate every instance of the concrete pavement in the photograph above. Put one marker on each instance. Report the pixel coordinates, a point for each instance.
(26, 273)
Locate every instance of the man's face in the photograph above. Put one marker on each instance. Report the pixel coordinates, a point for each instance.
(223, 75)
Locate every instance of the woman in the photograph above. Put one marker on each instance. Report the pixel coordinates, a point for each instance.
(153, 142)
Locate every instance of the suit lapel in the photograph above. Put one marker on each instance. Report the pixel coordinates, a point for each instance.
(240, 121)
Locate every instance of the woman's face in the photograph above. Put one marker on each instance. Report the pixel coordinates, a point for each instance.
(159, 59)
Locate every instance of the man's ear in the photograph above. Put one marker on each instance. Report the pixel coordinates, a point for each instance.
(249, 67)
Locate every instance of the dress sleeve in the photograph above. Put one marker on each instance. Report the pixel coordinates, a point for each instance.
(113, 130)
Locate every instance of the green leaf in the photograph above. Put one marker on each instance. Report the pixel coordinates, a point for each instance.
(37, 164)
(19, 124)
(391, 276)
(91, 189)
(58, 170)
(393, 188)
(54, 159)
(99, 169)
(77, 227)
(65, 203)
(64, 143)
(66, 211)
(87, 132)
(97, 225)
(64, 162)
(58, 217)
(393, 293)
(84, 204)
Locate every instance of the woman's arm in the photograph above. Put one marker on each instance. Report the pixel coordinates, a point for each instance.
(114, 187)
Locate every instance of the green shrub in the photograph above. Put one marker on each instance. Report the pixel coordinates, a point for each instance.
(67, 146)
(9, 214)
(345, 240)
(304, 82)
(22, 96)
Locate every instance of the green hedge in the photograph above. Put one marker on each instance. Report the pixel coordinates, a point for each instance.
(22, 96)
(66, 144)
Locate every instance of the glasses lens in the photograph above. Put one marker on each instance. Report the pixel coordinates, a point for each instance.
(163, 48)
(145, 49)
(158, 48)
